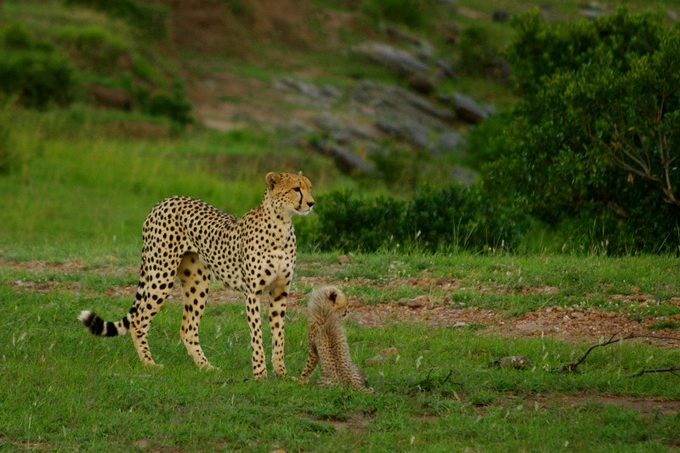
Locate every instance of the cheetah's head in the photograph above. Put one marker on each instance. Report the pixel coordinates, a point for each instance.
(329, 298)
(290, 193)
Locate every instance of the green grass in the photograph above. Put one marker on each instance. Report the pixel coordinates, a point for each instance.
(75, 194)
(68, 390)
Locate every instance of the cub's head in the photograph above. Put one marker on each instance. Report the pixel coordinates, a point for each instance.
(290, 193)
(328, 298)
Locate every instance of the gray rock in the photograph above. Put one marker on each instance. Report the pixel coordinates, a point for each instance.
(451, 142)
(514, 361)
(324, 95)
(392, 101)
(410, 131)
(500, 16)
(346, 160)
(466, 108)
(393, 57)
(344, 131)
(446, 69)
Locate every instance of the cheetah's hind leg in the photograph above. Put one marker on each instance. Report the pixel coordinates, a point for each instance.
(155, 285)
(195, 278)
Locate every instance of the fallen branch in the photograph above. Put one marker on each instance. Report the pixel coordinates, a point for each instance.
(573, 366)
(673, 370)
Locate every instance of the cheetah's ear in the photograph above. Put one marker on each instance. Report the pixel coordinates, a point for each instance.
(333, 296)
(272, 179)
(300, 173)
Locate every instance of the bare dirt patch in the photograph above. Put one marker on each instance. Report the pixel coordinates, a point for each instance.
(565, 323)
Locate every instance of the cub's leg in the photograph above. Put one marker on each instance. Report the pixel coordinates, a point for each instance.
(312, 361)
(327, 360)
(155, 284)
(195, 278)
(277, 316)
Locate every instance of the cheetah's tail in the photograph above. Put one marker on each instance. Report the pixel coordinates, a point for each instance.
(97, 326)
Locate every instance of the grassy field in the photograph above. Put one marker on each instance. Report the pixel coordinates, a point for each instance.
(76, 185)
(66, 390)
(71, 211)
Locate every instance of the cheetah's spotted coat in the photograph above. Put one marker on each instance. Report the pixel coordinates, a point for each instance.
(328, 343)
(188, 239)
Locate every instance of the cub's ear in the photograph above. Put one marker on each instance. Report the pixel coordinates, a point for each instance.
(272, 179)
(300, 173)
(333, 296)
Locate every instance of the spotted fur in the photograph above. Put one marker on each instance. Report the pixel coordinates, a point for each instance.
(328, 343)
(188, 239)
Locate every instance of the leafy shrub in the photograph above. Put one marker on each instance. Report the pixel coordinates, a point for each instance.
(33, 71)
(173, 105)
(16, 36)
(454, 217)
(96, 47)
(476, 52)
(412, 13)
(37, 78)
(147, 17)
(593, 143)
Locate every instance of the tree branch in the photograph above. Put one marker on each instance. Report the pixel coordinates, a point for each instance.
(673, 370)
(573, 366)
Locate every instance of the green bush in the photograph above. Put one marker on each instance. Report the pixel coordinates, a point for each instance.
(16, 36)
(173, 105)
(38, 79)
(94, 46)
(451, 218)
(33, 71)
(412, 13)
(593, 143)
(476, 52)
(147, 17)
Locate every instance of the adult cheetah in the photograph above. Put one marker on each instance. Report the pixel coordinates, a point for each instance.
(189, 239)
(328, 343)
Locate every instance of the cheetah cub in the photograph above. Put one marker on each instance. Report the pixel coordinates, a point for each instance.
(328, 343)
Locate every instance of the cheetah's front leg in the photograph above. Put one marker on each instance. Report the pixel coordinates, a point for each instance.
(255, 327)
(277, 315)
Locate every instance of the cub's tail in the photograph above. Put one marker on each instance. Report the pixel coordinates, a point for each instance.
(97, 326)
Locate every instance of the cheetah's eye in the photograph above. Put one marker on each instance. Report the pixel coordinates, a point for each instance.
(297, 189)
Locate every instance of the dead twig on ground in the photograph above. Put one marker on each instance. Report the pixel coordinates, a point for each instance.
(573, 366)
(673, 370)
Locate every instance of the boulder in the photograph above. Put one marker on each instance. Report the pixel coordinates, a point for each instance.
(345, 160)
(394, 58)
(451, 142)
(392, 101)
(466, 108)
(402, 128)
(500, 16)
(323, 95)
